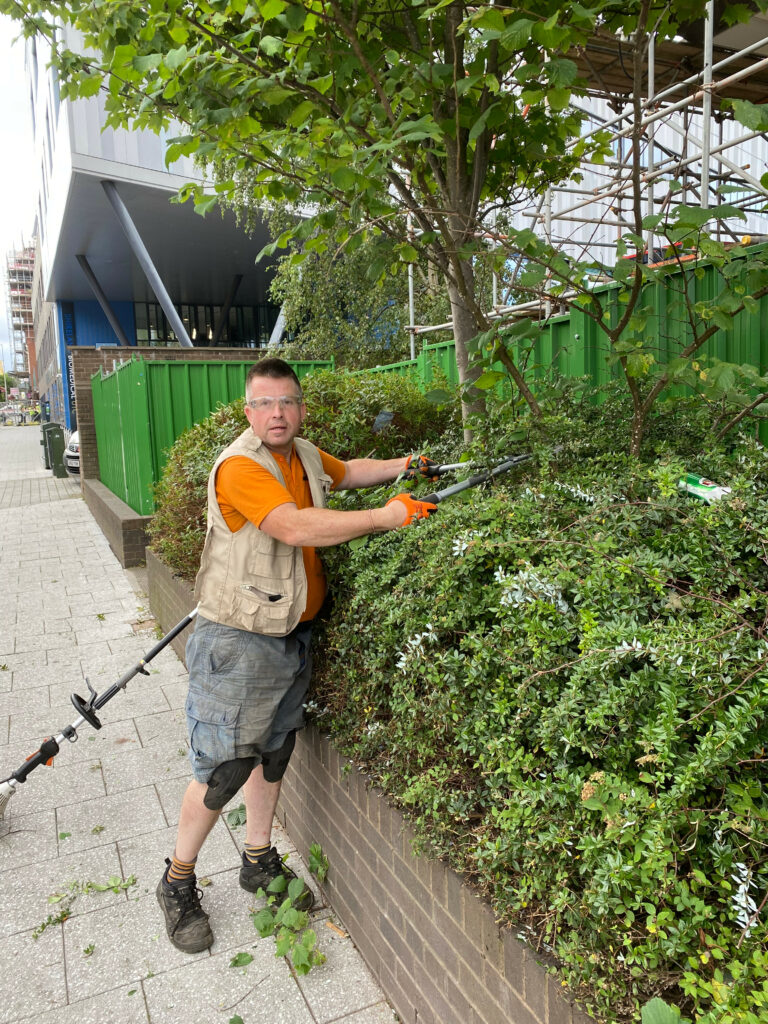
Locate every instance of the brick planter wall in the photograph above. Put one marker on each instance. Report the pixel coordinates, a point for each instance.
(125, 529)
(432, 944)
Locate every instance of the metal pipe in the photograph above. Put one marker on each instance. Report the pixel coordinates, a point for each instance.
(411, 300)
(224, 314)
(140, 252)
(706, 104)
(277, 330)
(103, 301)
(651, 136)
(685, 82)
(720, 158)
(598, 194)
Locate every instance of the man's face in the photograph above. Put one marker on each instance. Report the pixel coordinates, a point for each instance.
(275, 422)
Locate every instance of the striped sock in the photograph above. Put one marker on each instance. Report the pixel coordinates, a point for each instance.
(252, 853)
(180, 871)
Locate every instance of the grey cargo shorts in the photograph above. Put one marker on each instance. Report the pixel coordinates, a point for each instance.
(246, 692)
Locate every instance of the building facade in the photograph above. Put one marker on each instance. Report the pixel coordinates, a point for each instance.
(119, 262)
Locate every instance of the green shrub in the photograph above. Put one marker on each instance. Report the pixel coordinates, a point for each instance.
(342, 411)
(563, 681)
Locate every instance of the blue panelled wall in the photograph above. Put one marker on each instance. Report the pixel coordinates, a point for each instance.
(81, 323)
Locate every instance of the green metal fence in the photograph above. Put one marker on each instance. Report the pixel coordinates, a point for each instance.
(575, 345)
(141, 407)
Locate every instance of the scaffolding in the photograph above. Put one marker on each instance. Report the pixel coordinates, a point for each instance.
(688, 137)
(20, 265)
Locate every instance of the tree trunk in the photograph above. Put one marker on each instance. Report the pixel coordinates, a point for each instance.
(465, 328)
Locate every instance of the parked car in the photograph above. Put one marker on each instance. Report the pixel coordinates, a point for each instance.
(72, 455)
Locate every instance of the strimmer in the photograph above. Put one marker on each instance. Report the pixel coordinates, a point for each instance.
(86, 713)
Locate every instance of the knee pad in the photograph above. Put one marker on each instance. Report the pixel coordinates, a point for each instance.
(227, 778)
(274, 762)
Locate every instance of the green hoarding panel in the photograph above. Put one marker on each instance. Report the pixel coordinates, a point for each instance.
(142, 407)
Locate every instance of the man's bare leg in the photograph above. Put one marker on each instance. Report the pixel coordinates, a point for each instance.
(179, 898)
(260, 864)
(260, 803)
(195, 822)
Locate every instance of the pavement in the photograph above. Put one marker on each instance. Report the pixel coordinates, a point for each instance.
(82, 843)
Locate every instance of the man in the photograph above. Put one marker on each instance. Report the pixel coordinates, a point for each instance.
(259, 586)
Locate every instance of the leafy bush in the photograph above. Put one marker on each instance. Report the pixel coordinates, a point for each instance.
(342, 412)
(563, 681)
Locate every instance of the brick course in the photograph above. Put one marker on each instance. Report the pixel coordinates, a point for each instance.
(431, 942)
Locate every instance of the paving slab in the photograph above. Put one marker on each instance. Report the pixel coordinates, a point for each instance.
(27, 839)
(261, 993)
(116, 816)
(33, 978)
(129, 946)
(123, 1005)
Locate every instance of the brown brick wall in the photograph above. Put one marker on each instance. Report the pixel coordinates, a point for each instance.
(432, 944)
(86, 362)
(125, 530)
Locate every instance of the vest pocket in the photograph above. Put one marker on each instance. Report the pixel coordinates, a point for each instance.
(261, 608)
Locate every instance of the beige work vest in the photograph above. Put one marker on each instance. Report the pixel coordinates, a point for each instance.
(248, 579)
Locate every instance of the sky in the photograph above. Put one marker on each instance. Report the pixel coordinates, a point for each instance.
(18, 176)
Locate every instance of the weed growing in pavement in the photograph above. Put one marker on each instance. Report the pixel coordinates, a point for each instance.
(288, 925)
(318, 862)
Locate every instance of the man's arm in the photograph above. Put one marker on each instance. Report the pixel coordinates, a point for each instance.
(369, 472)
(324, 527)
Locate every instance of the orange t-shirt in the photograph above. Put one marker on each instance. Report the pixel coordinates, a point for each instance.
(246, 492)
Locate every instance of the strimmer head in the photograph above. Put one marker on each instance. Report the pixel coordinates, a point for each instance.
(7, 789)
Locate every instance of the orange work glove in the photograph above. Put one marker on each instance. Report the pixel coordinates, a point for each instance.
(415, 509)
(419, 465)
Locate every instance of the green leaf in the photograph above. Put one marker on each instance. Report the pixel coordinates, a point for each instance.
(593, 804)
(488, 379)
(205, 203)
(751, 115)
(300, 955)
(439, 396)
(408, 254)
(284, 942)
(478, 127)
(658, 1012)
(517, 35)
(264, 922)
(237, 1019)
(241, 960)
(174, 58)
(271, 8)
(296, 887)
(278, 885)
(270, 45)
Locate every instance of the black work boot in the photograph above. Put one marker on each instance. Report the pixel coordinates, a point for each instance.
(185, 920)
(267, 868)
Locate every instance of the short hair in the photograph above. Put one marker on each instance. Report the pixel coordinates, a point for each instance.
(277, 369)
